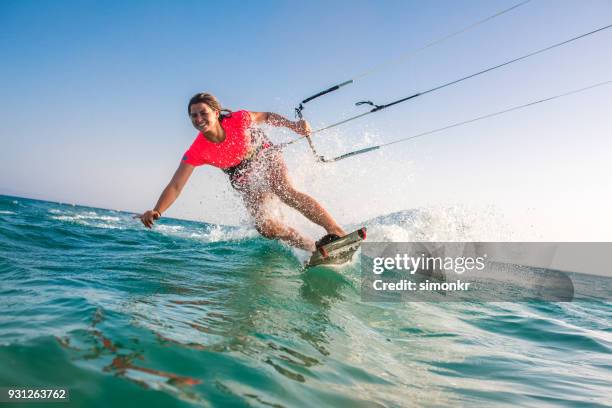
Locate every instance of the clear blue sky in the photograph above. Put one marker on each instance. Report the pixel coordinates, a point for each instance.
(93, 107)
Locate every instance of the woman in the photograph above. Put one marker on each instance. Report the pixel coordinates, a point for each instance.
(255, 168)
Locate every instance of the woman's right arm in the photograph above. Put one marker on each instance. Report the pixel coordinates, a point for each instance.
(169, 195)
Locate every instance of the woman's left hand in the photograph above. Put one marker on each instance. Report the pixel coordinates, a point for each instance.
(302, 128)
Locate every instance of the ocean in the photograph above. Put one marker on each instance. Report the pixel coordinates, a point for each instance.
(195, 314)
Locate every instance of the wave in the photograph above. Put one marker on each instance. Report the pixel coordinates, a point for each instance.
(90, 219)
(436, 224)
(207, 232)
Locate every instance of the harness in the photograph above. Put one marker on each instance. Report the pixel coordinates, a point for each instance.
(237, 174)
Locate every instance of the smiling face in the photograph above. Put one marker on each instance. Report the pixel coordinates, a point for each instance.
(203, 117)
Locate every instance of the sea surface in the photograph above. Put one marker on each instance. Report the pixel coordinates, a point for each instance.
(194, 314)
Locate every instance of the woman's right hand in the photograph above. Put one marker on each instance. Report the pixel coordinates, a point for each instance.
(149, 217)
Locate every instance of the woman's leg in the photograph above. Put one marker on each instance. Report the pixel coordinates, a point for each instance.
(281, 186)
(255, 202)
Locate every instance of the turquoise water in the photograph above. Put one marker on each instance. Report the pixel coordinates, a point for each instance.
(192, 314)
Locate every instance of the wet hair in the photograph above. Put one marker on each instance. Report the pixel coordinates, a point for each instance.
(211, 101)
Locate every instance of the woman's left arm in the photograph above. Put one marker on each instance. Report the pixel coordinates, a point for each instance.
(301, 127)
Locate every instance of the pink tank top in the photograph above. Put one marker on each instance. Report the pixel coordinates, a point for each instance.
(230, 151)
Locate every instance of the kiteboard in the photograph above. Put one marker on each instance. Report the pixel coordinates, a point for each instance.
(332, 250)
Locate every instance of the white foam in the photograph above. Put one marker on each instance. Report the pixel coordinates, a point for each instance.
(213, 233)
(441, 224)
(170, 228)
(219, 233)
(89, 219)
